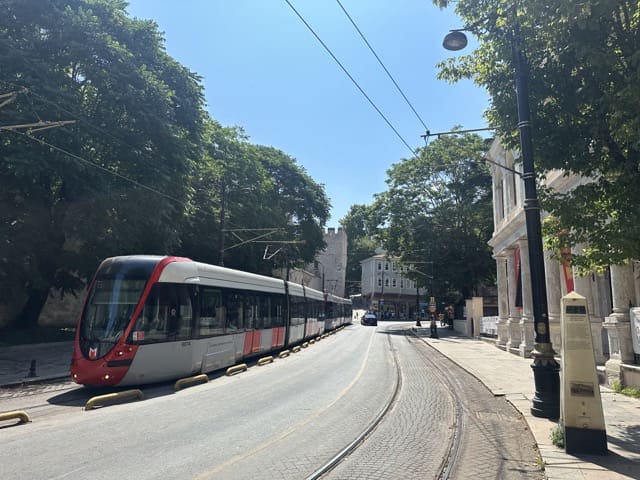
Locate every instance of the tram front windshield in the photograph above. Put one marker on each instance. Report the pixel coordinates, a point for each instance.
(112, 301)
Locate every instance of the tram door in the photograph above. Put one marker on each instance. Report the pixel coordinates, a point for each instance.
(252, 324)
(169, 351)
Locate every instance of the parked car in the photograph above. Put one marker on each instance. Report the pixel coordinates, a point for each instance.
(369, 319)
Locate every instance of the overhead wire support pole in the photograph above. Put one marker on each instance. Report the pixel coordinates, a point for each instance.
(454, 132)
(11, 96)
(37, 126)
(546, 400)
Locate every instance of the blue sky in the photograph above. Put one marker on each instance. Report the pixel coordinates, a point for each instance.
(263, 70)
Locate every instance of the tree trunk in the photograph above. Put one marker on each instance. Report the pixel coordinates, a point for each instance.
(28, 317)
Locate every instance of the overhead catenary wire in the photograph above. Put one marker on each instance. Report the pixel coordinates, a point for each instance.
(383, 65)
(99, 167)
(146, 187)
(80, 119)
(353, 80)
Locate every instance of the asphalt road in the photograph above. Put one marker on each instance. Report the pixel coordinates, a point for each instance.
(283, 420)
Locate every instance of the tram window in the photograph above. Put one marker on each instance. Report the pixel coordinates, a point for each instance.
(275, 311)
(297, 310)
(250, 318)
(235, 311)
(167, 315)
(330, 310)
(263, 311)
(212, 313)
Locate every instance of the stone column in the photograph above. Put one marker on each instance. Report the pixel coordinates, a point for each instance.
(553, 278)
(503, 301)
(584, 287)
(636, 280)
(513, 322)
(618, 324)
(527, 331)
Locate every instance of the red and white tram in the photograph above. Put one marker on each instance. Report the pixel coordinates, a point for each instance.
(151, 318)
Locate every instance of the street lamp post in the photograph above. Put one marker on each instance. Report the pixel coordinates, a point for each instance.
(418, 324)
(546, 402)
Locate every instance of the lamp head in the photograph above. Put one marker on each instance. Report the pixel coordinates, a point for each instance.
(455, 40)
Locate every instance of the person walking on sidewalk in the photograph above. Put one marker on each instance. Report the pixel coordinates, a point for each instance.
(433, 326)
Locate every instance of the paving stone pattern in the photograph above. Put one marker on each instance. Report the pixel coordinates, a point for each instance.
(413, 439)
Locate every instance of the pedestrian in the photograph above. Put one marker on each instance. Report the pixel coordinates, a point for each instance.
(434, 327)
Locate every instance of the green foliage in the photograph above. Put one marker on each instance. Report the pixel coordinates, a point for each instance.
(631, 392)
(582, 64)
(618, 387)
(437, 215)
(142, 170)
(112, 182)
(557, 436)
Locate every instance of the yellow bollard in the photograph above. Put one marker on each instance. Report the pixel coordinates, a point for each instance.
(265, 360)
(19, 414)
(102, 400)
(241, 367)
(197, 379)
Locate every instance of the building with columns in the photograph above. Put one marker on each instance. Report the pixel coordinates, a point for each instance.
(612, 296)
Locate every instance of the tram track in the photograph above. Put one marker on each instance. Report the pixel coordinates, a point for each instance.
(440, 423)
(449, 460)
(351, 447)
(490, 439)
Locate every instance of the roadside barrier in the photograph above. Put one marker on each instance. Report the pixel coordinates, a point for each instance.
(284, 353)
(102, 400)
(265, 360)
(296, 349)
(19, 414)
(190, 381)
(241, 367)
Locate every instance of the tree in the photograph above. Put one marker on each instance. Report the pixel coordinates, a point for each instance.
(583, 72)
(437, 211)
(246, 195)
(113, 182)
(294, 202)
(360, 226)
(228, 183)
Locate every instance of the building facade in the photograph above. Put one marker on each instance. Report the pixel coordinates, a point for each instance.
(386, 289)
(328, 271)
(612, 296)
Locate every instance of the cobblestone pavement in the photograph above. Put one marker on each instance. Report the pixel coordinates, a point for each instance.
(413, 440)
(495, 441)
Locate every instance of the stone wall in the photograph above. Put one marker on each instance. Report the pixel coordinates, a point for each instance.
(62, 311)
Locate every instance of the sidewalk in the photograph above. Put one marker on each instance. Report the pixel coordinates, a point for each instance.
(52, 361)
(511, 376)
